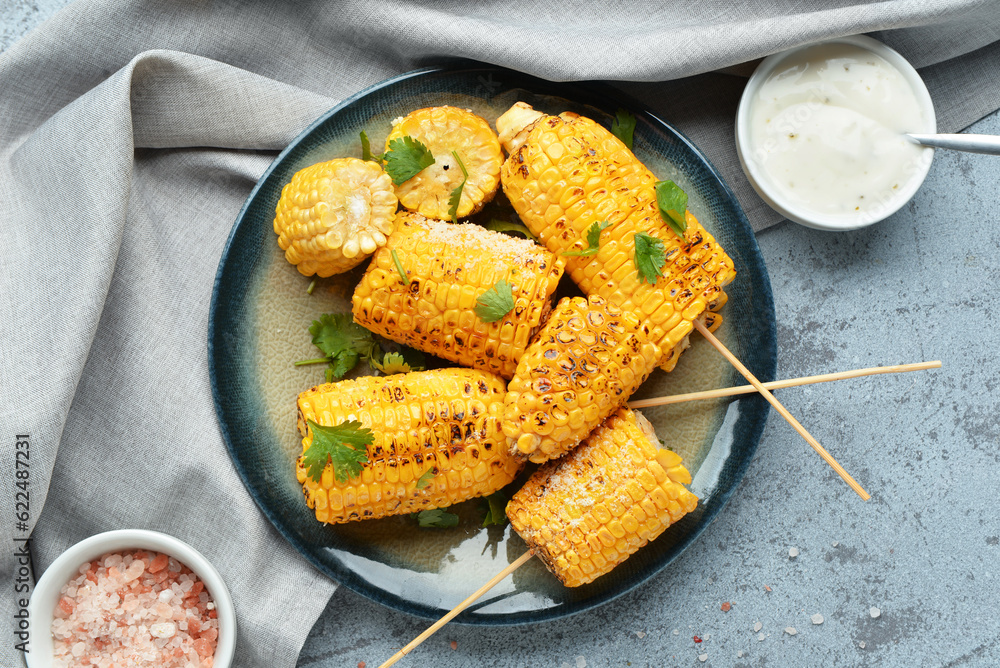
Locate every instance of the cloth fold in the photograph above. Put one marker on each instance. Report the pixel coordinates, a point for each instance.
(131, 131)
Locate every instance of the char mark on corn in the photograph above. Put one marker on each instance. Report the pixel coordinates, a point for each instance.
(445, 421)
(568, 173)
(587, 512)
(449, 267)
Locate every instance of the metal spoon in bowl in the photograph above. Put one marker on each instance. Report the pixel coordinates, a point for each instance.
(989, 144)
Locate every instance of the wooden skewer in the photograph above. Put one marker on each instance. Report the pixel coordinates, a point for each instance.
(459, 608)
(779, 384)
(677, 398)
(782, 410)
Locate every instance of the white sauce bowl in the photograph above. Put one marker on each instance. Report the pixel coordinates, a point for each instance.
(45, 596)
(763, 181)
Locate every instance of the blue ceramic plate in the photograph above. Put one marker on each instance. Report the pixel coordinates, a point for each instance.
(258, 328)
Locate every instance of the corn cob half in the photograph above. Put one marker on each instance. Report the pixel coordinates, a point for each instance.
(444, 130)
(334, 214)
(565, 173)
(589, 511)
(584, 364)
(445, 422)
(447, 268)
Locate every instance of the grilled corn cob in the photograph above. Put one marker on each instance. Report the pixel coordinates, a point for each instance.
(447, 268)
(446, 422)
(566, 172)
(589, 511)
(585, 363)
(334, 214)
(443, 130)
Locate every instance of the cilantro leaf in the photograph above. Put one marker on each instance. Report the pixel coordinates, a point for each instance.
(456, 194)
(650, 256)
(496, 509)
(496, 302)
(593, 240)
(334, 333)
(509, 227)
(399, 268)
(623, 126)
(672, 202)
(425, 479)
(342, 341)
(436, 518)
(406, 158)
(344, 446)
(343, 362)
(392, 363)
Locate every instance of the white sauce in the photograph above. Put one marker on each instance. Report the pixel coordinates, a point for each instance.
(826, 128)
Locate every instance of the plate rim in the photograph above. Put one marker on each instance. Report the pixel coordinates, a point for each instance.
(591, 90)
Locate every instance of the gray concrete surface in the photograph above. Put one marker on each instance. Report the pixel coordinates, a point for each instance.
(925, 550)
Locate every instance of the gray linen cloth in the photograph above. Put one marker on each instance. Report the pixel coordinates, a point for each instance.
(132, 131)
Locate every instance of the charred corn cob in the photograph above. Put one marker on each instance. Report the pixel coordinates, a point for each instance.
(585, 363)
(447, 268)
(589, 511)
(437, 441)
(334, 214)
(444, 130)
(566, 172)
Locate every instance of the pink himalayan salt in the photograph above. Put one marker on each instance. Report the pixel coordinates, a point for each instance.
(136, 609)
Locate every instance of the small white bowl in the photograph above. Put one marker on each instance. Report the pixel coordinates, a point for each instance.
(761, 181)
(45, 596)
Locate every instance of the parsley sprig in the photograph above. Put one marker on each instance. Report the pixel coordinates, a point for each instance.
(496, 302)
(345, 343)
(650, 256)
(623, 126)
(344, 446)
(425, 479)
(406, 158)
(397, 363)
(672, 202)
(510, 228)
(342, 342)
(456, 194)
(496, 509)
(593, 240)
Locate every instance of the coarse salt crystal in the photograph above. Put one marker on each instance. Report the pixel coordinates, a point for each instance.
(640, 634)
(113, 618)
(790, 630)
(703, 657)
(760, 636)
(874, 612)
(861, 644)
(757, 627)
(817, 618)
(164, 630)
(793, 552)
